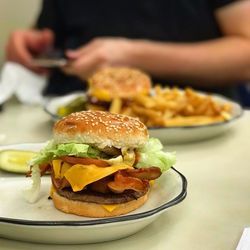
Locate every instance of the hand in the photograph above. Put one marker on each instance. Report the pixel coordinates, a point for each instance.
(24, 44)
(99, 53)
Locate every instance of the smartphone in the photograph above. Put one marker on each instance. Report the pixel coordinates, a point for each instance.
(50, 59)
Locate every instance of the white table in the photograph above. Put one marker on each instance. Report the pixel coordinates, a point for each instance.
(216, 209)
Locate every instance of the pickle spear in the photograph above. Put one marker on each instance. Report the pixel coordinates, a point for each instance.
(77, 104)
(15, 161)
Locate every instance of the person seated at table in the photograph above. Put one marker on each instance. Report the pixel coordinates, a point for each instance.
(204, 44)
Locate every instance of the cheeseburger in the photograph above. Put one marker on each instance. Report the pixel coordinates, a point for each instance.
(101, 164)
(116, 86)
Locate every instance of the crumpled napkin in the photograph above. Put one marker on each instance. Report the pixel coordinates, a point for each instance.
(244, 243)
(24, 84)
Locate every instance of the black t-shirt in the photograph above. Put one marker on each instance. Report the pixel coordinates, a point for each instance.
(77, 22)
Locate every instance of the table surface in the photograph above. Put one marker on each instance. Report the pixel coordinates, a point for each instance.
(215, 211)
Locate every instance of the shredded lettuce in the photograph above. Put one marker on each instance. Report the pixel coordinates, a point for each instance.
(52, 151)
(152, 155)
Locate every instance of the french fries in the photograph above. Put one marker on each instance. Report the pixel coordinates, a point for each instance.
(116, 105)
(171, 107)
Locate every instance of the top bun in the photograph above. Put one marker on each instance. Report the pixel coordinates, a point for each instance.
(101, 129)
(119, 82)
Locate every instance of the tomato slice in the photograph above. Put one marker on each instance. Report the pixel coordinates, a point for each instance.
(84, 161)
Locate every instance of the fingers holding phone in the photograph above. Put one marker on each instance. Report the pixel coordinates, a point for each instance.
(98, 53)
(23, 45)
(52, 58)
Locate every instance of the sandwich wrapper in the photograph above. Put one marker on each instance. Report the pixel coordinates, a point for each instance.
(16, 80)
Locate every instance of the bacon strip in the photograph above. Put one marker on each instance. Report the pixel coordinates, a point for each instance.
(150, 173)
(44, 168)
(124, 182)
(59, 184)
(101, 185)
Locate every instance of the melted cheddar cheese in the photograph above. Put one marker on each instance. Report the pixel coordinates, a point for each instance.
(111, 207)
(79, 176)
(101, 94)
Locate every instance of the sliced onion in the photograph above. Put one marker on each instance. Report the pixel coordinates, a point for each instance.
(31, 194)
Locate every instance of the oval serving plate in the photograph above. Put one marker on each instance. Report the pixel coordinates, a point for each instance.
(185, 134)
(41, 222)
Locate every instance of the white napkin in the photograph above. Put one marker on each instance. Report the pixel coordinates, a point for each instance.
(244, 243)
(21, 82)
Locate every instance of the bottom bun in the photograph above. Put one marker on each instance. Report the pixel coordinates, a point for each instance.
(89, 209)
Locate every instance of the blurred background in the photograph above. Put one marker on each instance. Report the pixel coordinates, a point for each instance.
(15, 15)
(21, 14)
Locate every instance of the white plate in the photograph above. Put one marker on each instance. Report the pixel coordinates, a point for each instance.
(171, 135)
(41, 222)
(186, 134)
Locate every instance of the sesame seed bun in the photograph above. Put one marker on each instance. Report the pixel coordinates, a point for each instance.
(101, 129)
(119, 82)
(90, 209)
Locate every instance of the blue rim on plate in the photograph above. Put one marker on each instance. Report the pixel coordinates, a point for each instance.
(54, 116)
(181, 196)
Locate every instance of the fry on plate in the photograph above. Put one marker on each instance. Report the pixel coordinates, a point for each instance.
(168, 107)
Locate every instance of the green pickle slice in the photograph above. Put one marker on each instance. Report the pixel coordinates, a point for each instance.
(77, 104)
(15, 161)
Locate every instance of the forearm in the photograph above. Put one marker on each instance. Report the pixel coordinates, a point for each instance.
(222, 61)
